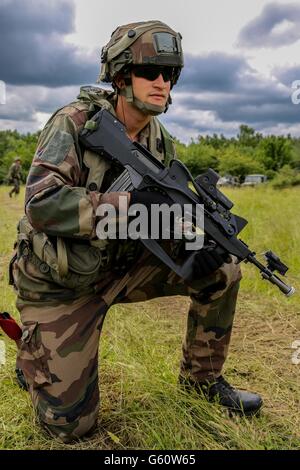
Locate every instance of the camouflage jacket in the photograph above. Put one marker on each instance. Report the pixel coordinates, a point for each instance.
(60, 199)
(65, 186)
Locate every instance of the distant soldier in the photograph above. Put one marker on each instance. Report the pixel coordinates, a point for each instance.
(14, 176)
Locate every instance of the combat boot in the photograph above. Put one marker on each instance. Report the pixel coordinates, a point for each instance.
(237, 401)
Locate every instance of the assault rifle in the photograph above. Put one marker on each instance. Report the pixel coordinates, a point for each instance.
(106, 136)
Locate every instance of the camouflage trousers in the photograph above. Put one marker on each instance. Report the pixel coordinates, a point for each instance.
(59, 349)
(16, 186)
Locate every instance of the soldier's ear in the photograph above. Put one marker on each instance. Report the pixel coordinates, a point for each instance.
(120, 82)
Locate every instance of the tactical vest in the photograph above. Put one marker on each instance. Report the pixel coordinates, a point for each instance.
(101, 174)
(69, 261)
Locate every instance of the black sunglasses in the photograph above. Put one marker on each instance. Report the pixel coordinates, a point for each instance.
(152, 72)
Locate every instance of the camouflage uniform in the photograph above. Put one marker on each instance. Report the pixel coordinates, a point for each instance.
(66, 282)
(14, 178)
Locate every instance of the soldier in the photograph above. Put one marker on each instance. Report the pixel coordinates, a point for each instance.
(14, 176)
(66, 278)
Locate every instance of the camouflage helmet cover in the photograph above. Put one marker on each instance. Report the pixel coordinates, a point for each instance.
(146, 42)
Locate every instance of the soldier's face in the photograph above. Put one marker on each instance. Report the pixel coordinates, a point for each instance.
(151, 91)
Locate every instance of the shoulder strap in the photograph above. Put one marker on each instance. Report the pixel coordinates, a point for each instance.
(168, 144)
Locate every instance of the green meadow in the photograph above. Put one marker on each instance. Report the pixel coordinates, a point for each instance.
(141, 405)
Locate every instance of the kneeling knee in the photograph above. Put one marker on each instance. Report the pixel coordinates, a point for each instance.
(230, 273)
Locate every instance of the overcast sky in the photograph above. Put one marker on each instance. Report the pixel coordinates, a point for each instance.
(241, 57)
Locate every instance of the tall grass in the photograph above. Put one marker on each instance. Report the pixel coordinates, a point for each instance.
(141, 405)
(273, 224)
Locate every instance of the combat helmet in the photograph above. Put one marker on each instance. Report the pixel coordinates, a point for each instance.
(141, 43)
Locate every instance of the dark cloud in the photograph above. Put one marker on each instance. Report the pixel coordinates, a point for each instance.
(37, 16)
(215, 71)
(287, 75)
(246, 112)
(246, 107)
(268, 29)
(242, 97)
(269, 104)
(179, 124)
(26, 105)
(43, 73)
(23, 102)
(32, 47)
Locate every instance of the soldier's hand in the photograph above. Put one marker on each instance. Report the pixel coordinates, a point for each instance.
(208, 260)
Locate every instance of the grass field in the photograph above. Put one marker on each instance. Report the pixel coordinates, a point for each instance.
(141, 405)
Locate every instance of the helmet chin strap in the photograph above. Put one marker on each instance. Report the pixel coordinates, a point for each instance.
(146, 108)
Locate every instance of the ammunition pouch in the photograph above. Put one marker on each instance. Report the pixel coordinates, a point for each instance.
(71, 263)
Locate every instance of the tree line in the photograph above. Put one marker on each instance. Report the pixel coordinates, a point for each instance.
(278, 157)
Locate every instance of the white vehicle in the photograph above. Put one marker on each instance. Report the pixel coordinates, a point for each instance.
(253, 180)
(228, 180)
